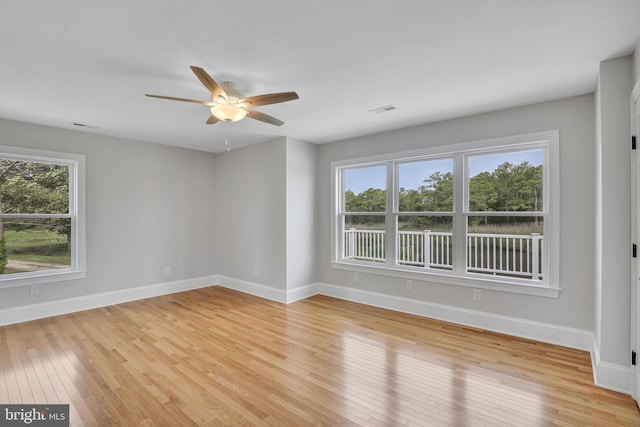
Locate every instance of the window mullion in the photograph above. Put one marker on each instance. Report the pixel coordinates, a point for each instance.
(459, 217)
(391, 217)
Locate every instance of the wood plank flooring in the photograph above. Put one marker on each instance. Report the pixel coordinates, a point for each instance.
(216, 357)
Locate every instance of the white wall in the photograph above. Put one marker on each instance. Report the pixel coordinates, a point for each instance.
(573, 117)
(613, 148)
(597, 247)
(148, 206)
(635, 70)
(251, 214)
(301, 213)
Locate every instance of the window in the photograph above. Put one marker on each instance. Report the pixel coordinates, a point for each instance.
(505, 219)
(425, 213)
(364, 217)
(41, 216)
(481, 214)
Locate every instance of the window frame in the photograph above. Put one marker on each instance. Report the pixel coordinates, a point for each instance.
(76, 214)
(548, 287)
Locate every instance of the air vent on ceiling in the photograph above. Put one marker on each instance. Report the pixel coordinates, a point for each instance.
(83, 125)
(383, 109)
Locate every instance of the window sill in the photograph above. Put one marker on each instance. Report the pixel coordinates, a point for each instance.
(494, 283)
(38, 278)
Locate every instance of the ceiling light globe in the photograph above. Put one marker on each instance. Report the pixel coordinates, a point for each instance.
(228, 113)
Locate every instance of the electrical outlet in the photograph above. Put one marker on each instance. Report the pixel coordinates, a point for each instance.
(256, 272)
(357, 276)
(167, 271)
(409, 285)
(477, 295)
(35, 289)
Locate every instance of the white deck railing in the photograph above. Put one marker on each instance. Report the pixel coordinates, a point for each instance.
(512, 255)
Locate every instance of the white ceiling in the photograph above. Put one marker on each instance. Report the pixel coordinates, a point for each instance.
(91, 62)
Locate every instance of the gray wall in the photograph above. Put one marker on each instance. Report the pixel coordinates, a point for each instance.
(148, 206)
(613, 212)
(251, 213)
(266, 197)
(635, 70)
(574, 118)
(301, 213)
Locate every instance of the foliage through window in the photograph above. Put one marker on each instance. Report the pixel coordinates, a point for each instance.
(39, 232)
(479, 210)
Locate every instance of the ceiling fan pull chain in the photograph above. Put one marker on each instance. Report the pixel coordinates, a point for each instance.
(226, 136)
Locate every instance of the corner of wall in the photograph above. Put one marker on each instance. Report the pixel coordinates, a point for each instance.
(608, 375)
(613, 214)
(597, 299)
(635, 69)
(301, 214)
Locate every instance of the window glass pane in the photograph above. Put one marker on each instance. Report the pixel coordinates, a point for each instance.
(364, 238)
(33, 187)
(36, 244)
(506, 246)
(365, 189)
(433, 233)
(506, 182)
(426, 186)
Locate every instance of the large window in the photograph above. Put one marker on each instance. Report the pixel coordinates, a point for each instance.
(41, 216)
(479, 214)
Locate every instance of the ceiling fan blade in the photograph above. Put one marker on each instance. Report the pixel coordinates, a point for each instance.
(212, 119)
(257, 115)
(208, 82)
(173, 98)
(270, 98)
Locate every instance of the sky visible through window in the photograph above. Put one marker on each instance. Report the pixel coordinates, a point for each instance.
(413, 174)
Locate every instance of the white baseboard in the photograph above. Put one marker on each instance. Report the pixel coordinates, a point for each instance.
(71, 305)
(608, 375)
(545, 332)
(267, 292)
(252, 288)
(302, 292)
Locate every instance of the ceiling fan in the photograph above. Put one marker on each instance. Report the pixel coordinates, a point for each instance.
(227, 106)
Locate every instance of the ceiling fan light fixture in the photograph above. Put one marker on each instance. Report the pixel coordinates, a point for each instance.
(228, 112)
(226, 104)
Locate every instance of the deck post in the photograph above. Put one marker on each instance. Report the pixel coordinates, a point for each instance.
(535, 263)
(351, 252)
(426, 248)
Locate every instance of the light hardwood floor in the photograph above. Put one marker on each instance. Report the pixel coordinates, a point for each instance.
(219, 357)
